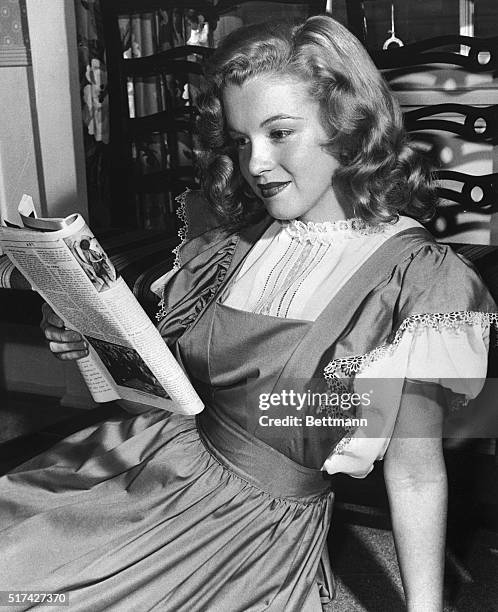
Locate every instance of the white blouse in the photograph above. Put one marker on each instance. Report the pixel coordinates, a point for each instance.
(296, 268)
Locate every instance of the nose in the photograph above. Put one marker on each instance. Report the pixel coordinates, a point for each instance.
(261, 158)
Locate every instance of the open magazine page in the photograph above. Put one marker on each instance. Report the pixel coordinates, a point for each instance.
(128, 357)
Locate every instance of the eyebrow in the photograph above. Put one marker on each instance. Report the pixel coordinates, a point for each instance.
(270, 120)
(277, 117)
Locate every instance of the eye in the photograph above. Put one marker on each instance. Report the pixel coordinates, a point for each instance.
(239, 141)
(280, 134)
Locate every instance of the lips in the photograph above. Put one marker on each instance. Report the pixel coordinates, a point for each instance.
(268, 190)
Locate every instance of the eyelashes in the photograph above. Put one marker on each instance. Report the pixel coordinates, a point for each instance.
(280, 135)
(241, 142)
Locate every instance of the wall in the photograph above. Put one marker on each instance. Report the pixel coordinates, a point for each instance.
(18, 162)
(41, 139)
(41, 153)
(18, 159)
(52, 31)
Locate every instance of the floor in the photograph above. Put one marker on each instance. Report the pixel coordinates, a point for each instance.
(360, 542)
(364, 562)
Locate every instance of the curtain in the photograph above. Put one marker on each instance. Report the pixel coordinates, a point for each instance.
(95, 106)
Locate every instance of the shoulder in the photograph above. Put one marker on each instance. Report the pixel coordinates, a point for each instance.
(203, 230)
(419, 276)
(434, 278)
(201, 226)
(196, 213)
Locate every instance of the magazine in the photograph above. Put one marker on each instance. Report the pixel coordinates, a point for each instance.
(128, 359)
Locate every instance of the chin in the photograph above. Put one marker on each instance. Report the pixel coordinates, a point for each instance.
(281, 216)
(280, 213)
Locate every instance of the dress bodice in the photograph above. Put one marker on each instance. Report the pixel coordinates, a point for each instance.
(242, 365)
(237, 358)
(248, 356)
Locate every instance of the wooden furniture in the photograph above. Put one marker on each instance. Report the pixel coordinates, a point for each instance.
(457, 63)
(459, 191)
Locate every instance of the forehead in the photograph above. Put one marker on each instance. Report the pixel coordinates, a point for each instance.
(260, 98)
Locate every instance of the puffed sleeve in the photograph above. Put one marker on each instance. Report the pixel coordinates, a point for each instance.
(197, 221)
(443, 319)
(201, 263)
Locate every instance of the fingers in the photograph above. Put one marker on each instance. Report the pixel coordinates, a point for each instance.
(68, 350)
(56, 334)
(51, 316)
(65, 344)
(64, 352)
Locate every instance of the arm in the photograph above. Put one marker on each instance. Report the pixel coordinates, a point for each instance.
(416, 484)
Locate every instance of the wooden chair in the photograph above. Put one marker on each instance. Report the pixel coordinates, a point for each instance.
(459, 191)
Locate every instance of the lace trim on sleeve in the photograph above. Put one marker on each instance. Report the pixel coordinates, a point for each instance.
(354, 364)
(181, 213)
(349, 366)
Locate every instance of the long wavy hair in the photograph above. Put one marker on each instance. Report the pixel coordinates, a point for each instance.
(380, 172)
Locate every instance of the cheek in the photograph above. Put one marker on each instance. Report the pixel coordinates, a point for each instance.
(244, 165)
(324, 164)
(300, 159)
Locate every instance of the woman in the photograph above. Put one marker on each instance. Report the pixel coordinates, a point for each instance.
(319, 279)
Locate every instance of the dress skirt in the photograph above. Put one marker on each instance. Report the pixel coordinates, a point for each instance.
(141, 513)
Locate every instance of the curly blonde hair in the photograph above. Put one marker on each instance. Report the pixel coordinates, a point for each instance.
(380, 172)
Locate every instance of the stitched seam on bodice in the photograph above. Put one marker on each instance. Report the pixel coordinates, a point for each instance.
(318, 257)
(277, 269)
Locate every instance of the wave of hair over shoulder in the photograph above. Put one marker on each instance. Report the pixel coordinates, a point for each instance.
(380, 172)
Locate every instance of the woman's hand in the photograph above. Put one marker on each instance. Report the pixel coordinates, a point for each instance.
(65, 344)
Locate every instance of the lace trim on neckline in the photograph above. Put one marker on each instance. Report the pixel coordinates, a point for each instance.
(329, 232)
(348, 366)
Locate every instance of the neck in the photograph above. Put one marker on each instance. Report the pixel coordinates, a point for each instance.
(329, 209)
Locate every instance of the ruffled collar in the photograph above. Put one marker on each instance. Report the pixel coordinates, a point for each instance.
(329, 232)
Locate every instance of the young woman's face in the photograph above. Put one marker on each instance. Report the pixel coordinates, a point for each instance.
(276, 127)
